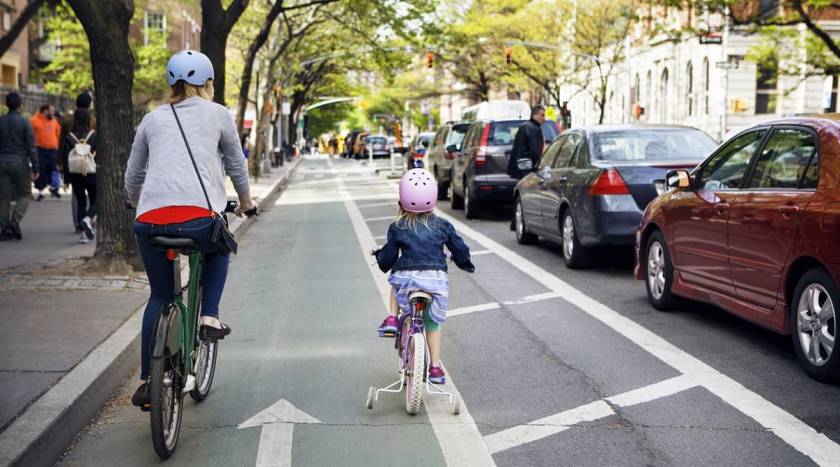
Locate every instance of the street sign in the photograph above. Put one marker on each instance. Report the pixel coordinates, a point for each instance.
(278, 424)
(726, 65)
(286, 108)
(713, 39)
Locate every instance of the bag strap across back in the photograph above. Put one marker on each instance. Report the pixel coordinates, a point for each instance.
(192, 159)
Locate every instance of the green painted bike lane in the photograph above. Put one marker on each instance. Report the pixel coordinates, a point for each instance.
(303, 308)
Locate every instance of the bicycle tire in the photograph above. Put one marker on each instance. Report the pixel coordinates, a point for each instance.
(166, 424)
(206, 354)
(416, 377)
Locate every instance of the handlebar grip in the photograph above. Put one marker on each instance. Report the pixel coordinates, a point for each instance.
(252, 212)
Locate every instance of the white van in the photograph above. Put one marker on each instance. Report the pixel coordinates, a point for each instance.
(497, 110)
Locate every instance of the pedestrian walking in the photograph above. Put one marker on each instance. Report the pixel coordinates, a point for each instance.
(47, 132)
(527, 147)
(84, 101)
(18, 168)
(77, 157)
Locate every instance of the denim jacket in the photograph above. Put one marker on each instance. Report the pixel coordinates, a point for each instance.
(422, 248)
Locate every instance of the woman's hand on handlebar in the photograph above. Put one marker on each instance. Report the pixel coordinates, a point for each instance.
(248, 210)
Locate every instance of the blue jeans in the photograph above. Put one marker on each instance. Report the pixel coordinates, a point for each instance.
(47, 159)
(161, 276)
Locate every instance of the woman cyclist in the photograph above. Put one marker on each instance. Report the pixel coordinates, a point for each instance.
(161, 182)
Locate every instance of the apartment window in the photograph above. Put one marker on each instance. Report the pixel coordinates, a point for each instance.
(830, 94)
(689, 87)
(766, 91)
(7, 21)
(663, 97)
(154, 22)
(706, 86)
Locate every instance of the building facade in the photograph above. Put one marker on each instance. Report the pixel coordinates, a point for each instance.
(701, 81)
(14, 64)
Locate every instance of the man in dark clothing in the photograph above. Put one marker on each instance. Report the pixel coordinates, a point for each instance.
(527, 145)
(18, 167)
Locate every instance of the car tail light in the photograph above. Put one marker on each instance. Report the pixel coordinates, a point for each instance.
(609, 182)
(481, 154)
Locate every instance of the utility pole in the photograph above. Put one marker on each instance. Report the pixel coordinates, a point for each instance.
(724, 59)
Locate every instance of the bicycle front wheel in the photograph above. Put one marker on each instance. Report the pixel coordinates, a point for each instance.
(415, 373)
(167, 404)
(205, 368)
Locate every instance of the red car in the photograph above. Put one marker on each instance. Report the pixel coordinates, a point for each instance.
(755, 230)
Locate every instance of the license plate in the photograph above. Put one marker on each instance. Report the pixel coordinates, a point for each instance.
(660, 187)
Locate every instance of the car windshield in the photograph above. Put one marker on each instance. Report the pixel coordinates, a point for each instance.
(503, 133)
(423, 141)
(456, 135)
(640, 144)
(376, 139)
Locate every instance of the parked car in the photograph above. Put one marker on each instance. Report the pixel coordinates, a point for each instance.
(593, 184)
(417, 150)
(479, 171)
(378, 144)
(753, 230)
(445, 147)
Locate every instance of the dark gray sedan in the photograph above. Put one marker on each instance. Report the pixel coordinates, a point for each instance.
(593, 184)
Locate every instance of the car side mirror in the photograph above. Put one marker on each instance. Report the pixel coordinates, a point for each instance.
(453, 148)
(678, 179)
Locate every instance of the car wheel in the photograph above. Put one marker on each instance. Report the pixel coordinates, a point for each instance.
(813, 325)
(441, 186)
(575, 255)
(522, 235)
(472, 209)
(457, 202)
(659, 273)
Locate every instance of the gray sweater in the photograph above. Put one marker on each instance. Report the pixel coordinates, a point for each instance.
(159, 171)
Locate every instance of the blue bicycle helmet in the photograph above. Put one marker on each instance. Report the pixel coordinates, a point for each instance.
(190, 66)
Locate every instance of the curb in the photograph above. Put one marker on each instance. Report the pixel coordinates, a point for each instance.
(40, 435)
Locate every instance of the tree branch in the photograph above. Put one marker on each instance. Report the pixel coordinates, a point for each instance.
(23, 18)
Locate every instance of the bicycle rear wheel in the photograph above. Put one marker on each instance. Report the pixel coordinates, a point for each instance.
(205, 368)
(415, 373)
(167, 404)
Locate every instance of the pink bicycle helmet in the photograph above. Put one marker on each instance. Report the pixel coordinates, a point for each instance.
(418, 191)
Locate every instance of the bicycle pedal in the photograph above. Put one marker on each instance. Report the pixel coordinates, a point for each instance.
(388, 334)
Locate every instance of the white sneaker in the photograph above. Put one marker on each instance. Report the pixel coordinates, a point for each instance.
(87, 226)
(83, 239)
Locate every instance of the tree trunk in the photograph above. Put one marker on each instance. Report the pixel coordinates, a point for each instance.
(106, 24)
(9, 38)
(216, 24)
(256, 45)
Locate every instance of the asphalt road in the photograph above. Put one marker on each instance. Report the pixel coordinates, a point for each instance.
(555, 367)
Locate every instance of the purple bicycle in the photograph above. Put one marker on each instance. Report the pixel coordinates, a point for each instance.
(413, 353)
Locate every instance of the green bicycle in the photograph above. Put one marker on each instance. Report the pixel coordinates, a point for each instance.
(183, 361)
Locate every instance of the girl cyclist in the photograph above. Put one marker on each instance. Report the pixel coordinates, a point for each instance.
(414, 255)
(161, 182)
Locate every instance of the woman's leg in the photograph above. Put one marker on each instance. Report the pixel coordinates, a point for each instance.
(79, 196)
(161, 279)
(90, 185)
(214, 275)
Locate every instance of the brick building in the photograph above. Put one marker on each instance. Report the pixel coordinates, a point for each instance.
(14, 64)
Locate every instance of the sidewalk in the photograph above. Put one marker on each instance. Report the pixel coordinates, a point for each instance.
(69, 341)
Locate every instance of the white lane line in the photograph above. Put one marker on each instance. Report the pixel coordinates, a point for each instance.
(380, 237)
(481, 252)
(458, 436)
(373, 205)
(382, 218)
(472, 309)
(535, 298)
(793, 431)
(553, 424)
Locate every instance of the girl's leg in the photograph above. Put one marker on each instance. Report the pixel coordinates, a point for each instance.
(394, 307)
(433, 338)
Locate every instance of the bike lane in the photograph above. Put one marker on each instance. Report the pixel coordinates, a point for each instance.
(303, 308)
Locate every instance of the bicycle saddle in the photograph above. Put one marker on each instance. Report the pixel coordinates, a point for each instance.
(173, 242)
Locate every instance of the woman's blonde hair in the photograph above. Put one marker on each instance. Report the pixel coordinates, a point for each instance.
(183, 90)
(409, 220)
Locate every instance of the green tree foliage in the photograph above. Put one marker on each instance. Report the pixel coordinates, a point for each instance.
(69, 73)
(149, 80)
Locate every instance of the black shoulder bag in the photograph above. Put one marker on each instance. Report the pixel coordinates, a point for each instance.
(220, 236)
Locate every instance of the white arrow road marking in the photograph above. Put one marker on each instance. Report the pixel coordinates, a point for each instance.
(278, 424)
(547, 426)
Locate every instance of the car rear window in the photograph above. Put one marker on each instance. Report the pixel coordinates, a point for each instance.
(503, 133)
(376, 139)
(639, 144)
(456, 135)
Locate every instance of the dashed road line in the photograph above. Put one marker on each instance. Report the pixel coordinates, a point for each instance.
(381, 218)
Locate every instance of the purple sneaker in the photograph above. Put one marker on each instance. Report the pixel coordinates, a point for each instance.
(436, 375)
(389, 326)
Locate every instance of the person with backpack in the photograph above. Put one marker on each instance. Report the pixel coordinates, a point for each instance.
(77, 157)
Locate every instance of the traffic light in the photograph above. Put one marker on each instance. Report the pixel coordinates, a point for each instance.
(430, 59)
(507, 55)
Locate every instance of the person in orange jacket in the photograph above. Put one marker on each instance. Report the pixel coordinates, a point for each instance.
(47, 131)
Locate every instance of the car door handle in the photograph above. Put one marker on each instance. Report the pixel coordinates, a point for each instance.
(721, 207)
(788, 210)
